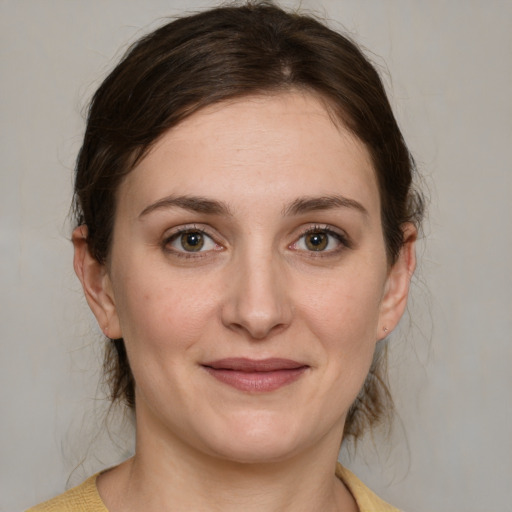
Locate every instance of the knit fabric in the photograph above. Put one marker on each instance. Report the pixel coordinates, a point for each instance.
(82, 498)
(366, 500)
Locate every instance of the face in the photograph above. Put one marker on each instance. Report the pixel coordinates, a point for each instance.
(248, 277)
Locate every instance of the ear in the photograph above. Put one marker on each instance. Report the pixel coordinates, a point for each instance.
(398, 282)
(96, 284)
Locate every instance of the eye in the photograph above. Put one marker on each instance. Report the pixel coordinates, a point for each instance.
(190, 241)
(320, 240)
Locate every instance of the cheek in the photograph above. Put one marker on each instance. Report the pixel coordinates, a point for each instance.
(348, 304)
(343, 314)
(163, 312)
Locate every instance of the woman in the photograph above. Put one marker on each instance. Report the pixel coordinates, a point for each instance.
(245, 238)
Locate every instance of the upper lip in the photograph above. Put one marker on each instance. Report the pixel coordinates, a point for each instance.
(243, 364)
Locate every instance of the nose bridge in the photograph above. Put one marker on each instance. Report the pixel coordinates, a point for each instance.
(257, 302)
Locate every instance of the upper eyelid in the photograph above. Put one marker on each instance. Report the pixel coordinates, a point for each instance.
(326, 228)
(319, 227)
(188, 228)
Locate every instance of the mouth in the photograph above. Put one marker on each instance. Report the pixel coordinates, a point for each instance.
(254, 375)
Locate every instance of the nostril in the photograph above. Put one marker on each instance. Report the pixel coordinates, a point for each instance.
(258, 332)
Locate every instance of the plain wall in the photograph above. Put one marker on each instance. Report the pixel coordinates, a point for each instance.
(451, 69)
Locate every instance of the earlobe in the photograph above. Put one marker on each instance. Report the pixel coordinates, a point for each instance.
(398, 283)
(96, 284)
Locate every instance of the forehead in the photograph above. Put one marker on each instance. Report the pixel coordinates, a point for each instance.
(256, 148)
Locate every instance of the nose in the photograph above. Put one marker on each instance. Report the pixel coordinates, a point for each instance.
(258, 303)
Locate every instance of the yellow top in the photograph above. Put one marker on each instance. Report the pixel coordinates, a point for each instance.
(85, 497)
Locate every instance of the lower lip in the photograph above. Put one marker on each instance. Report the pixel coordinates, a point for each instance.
(257, 381)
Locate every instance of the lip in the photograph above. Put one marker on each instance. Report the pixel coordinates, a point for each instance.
(256, 375)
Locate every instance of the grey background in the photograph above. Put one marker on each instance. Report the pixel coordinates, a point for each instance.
(451, 69)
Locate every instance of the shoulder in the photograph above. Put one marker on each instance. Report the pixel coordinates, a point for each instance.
(366, 500)
(83, 498)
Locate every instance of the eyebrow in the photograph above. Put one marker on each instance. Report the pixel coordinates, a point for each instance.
(196, 204)
(310, 204)
(301, 205)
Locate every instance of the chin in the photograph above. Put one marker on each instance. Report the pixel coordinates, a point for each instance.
(253, 451)
(259, 440)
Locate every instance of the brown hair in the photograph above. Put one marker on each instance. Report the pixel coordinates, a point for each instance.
(220, 54)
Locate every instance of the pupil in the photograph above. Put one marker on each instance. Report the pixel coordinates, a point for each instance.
(192, 241)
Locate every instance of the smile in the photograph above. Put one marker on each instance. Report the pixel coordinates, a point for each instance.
(263, 375)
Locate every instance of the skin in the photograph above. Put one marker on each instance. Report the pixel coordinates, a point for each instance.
(255, 290)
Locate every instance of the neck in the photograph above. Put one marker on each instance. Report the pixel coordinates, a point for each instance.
(168, 475)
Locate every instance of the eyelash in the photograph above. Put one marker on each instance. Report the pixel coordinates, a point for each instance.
(344, 242)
